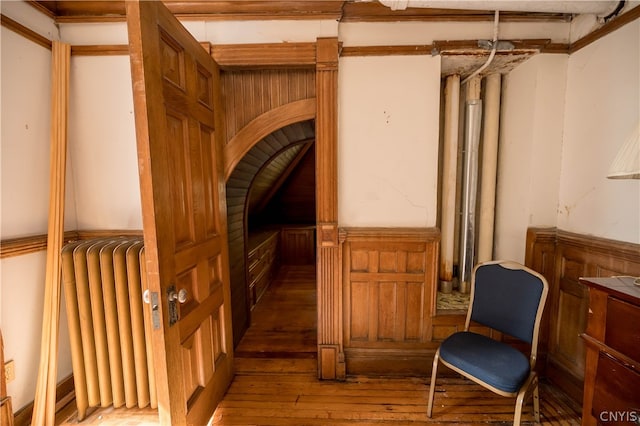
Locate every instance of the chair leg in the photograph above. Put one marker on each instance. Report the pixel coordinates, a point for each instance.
(536, 402)
(531, 384)
(518, 413)
(432, 385)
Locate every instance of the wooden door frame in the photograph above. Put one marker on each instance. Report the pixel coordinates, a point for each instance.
(331, 363)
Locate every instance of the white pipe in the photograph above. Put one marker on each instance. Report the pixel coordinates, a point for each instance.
(470, 183)
(494, 47)
(449, 173)
(602, 7)
(489, 167)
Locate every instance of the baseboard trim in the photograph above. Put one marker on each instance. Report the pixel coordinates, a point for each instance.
(65, 393)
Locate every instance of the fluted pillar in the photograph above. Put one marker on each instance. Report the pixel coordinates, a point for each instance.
(330, 351)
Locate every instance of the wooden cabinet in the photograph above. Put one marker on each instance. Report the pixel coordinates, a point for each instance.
(612, 340)
(262, 263)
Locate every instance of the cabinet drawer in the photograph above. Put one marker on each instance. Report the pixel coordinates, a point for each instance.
(255, 269)
(260, 286)
(622, 332)
(616, 399)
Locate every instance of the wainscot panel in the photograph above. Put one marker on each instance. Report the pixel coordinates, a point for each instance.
(389, 287)
(563, 257)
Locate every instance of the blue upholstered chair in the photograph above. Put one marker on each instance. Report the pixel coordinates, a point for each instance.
(507, 297)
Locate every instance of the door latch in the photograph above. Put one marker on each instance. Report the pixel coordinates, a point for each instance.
(151, 298)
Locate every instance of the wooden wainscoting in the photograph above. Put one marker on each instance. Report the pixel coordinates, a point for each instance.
(298, 245)
(563, 257)
(389, 288)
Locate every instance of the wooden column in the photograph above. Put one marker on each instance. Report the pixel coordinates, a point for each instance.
(330, 351)
(449, 180)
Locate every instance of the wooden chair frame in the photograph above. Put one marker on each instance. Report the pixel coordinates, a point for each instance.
(530, 386)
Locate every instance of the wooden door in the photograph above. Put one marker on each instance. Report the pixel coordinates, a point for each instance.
(179, 137)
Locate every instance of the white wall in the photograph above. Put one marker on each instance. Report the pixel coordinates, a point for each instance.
(24, 199)
(23, 280)
(602, 109)
(388, 140)
(102, 143)
(563, 121)
(530, 152)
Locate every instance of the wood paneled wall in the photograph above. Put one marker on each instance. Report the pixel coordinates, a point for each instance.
(298, 245)
(295, 202)
(389, 289)
(250, 93)
(563, 257)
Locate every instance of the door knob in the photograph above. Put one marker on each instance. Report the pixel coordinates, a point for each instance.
(180, 296)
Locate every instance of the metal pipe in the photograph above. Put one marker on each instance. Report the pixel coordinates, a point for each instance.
(601, 7)
(489, 167)
(449, 173)
(470, 182)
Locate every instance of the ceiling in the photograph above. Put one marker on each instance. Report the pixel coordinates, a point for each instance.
(344, 11)
(456, 59)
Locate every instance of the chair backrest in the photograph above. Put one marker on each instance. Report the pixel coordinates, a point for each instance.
(508, 297)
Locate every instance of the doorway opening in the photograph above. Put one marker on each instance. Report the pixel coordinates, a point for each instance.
(271, 228)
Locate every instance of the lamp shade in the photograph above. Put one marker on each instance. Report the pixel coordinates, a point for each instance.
(626, 165)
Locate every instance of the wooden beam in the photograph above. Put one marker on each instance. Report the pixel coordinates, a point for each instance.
(420, 49)
(25, 32)
(25, 245)
(607, 28)
(100, 50)
(45, 399)
(71, 11)
(265, 55)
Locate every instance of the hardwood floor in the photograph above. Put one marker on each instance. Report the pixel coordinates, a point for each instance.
(276, 380)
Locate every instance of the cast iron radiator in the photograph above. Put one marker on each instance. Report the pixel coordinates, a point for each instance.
(109, 331)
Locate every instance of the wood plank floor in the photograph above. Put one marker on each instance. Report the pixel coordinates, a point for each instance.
(276, 380)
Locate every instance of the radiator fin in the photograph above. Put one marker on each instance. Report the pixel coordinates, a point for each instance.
(109, 331)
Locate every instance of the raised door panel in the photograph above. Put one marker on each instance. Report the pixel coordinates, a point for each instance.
(389, 282)
(572, 301)
(388, 295)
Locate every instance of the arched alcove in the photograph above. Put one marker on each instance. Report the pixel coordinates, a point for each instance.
(260, 167)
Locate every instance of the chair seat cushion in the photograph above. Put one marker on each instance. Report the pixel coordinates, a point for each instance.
(490, 361)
